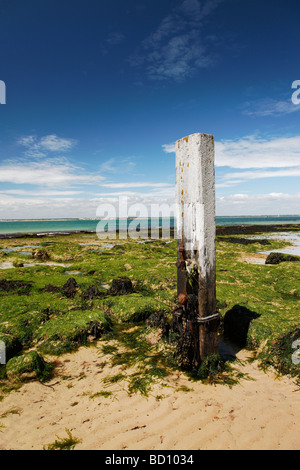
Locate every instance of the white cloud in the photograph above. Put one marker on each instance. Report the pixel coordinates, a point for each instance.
(259, 204)
(108, 165)
(255, 157)
(38, 193)
(41, 147)
(56, 144)
(254, 152)
(258, 152)
(141, 184)
(122, 165)
(177, 47)
(57, 173)
(69, 207)
(45, 207)
(169, 148)
(270, 107)
(238, 177)
(27, 141)
(163, 192)
(61, 207)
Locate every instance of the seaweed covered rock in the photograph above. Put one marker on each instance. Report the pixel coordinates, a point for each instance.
(18, 264)
(12, 345)
(244, 241)
(30, 366)
(50, 288)
(133, 308)
(87, 334)
(277, 258)
(69, 289)
(96, 330)
(121, 286)
(41, 255)
(91, 292)
(284, 354)
(73, 329)
(15, 287)
(236, 324)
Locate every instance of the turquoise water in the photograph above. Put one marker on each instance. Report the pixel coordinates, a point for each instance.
(69, 225)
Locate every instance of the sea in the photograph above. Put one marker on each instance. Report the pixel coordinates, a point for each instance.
(50, 226)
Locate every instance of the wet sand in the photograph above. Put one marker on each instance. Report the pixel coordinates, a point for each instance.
(258, 413)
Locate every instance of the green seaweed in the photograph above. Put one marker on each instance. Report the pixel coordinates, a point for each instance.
(34, 312)
(63, 443)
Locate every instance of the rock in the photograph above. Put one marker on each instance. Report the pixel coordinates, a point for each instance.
(127, 267)
(69, 289)
(276, 258)
(244, 241)
(50, 288)
(236, 324)
(251, 229)
(17, 287)
(47, 313)
(91, 293)
(40, 255)
(30, 366)
(121, 286)
(95, 330)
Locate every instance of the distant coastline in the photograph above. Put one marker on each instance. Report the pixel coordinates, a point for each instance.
(97, 219)
(43, 227)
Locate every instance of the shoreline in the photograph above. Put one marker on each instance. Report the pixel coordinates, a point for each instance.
(243, 229)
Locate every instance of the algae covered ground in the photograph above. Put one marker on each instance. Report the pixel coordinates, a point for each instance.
(58, 293)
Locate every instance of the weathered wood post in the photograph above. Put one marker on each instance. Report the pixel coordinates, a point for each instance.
(196, 235)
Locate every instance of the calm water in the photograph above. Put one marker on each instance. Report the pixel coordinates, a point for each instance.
(68, 225)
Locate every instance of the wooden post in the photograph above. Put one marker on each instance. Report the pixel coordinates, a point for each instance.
(196, 235)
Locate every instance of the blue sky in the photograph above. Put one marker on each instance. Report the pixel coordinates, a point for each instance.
(97, 93)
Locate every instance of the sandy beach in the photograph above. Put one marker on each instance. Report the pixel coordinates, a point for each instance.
(261, 412)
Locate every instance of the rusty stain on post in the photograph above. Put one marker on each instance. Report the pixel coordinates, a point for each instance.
(196, 234)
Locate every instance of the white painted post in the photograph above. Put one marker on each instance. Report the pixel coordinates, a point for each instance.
(196, 232)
